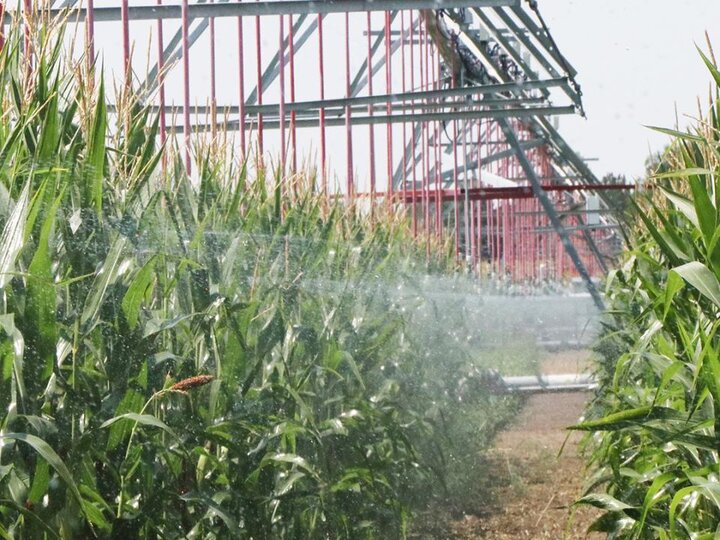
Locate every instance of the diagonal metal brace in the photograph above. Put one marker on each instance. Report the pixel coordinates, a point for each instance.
(552, 214)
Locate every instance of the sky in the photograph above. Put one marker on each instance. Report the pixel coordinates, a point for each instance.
(637, 63)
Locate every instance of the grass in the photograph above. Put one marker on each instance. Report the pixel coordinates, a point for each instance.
(655, 421)
(212, 357)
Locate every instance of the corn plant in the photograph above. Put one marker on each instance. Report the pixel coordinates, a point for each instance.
(656, 420)
(215, 357)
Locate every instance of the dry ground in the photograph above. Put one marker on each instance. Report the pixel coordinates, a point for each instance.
(534, 487)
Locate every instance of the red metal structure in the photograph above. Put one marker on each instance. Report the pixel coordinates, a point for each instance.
(440, 106)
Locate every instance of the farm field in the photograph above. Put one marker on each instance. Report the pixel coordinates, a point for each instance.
(199, 340)
(210, 358)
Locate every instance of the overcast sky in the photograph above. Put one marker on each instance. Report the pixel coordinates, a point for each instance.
(637, 62)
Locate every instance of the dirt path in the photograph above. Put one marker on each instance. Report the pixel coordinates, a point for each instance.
(535, 486)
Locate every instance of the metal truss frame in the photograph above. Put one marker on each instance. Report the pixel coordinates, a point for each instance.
(519, 101)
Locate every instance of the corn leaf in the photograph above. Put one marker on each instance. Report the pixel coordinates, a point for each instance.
(699, 276)
(13, 235)
(49, 455)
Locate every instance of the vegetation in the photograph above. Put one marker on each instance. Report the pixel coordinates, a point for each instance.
(618, 202)
(656, 419)
(225, 356)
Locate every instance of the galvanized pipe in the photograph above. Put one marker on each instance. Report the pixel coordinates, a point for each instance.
(269, 8)
(542, 384)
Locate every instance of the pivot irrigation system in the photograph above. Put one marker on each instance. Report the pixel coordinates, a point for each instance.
(446, 107)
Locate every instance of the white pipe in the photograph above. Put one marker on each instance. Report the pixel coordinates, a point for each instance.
(537, 384)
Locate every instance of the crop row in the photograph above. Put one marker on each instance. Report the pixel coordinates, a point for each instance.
(225, 356)
(655, 422)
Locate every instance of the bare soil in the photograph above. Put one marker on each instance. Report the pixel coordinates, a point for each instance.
(534, 484)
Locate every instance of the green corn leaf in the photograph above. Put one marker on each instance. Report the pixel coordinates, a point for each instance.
(684, 205)
(687, 172)
(655, 493)
(214, 509)
(7, 323)
(673, 285)
(95, 516)
(667, 249)
(711, 67)
(154, 325)
(40, 315)
(684, 436)
(46, 451)
(709, 490)
(675, 133)
(605, 502)
(50, 135)
(668, 375)
(132, 402)
(292, 459)
(670, 234)
(287, 483)
(95, 161)
(13, 236)
(704, 208)
(622, 419)
(143, 419)
(611, 523)
(699, 276)
(41, 480)
(31, 517)
(136, 292)
(109, 273)
(11, 144)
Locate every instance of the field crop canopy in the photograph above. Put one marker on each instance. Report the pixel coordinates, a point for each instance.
(656, 420)
(227, 356)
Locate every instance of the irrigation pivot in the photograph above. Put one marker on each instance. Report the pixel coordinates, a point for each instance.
(445, 109)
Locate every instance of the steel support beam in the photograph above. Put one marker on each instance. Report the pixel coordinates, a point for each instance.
(273, 69)
(504, 42)
(552, 214)
(311, 112)
(539, 55)
(173, 50)
(542, 125)
(263, 8)
(361, 79)
(539, 33)
(517, 192)
(383, 99)
(173, 53)
(399, 118)
(580, 228)
(504, 154)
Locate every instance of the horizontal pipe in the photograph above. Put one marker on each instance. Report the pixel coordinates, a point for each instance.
(552, 388)
(274, 108)
(544, 230)
(518, 192)
(497, 156)
(537, 384)
(487, 89)
(403, 118)
(266, 8)
(569, 212)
